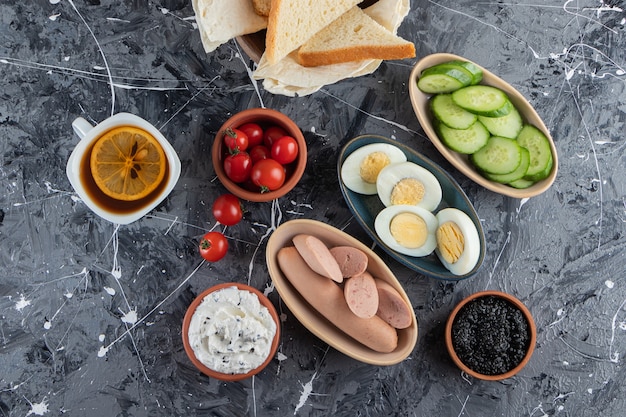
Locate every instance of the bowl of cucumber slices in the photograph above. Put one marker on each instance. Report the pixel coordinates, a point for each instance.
(483, 126)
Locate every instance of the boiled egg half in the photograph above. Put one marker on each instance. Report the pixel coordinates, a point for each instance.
(360, 169)
(407, 229)
(458, 245)
(409, 184)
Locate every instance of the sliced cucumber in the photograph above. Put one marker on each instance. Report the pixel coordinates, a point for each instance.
(521, 183)
(515, 175)
(483, 100)
(443, 78)
(538, 145)
(465, 141)
(507, 126)
(449, 113)
(499, 156)
(541, 175)
(477, 73)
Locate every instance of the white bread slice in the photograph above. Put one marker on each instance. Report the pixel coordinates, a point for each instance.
(293, 22)
(354, 36)
(262, 7)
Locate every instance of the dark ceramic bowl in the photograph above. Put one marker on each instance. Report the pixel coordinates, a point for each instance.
(265, 118)
(516, 304)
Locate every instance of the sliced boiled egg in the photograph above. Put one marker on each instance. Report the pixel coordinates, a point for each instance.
(408, 183)
(406, 229)
(458, 245)
(360, 169)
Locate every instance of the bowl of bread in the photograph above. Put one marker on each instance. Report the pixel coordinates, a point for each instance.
(339, 39)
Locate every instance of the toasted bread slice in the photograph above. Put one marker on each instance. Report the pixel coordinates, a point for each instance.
(292, 22)
(354, 36)
(262, 7)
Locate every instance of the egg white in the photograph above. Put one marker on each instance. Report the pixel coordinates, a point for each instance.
(392, 174)
(471, 251)
(350, 169)
(382, 224)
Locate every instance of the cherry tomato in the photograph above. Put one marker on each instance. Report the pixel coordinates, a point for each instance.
(268, 174)
(285, 150)
(213, 246)
(259, 152)
(235, 139)
(254, 133)
(227, 209)
(238, 166)
(271, 134)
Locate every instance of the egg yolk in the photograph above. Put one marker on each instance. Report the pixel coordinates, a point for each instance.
(372, 164)
(407, 191)
(450, 241)
(409, 230)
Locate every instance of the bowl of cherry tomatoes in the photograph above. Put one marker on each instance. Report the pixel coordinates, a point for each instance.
(259, 154)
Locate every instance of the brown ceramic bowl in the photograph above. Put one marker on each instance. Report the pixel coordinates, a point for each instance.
(191, 310)
(265, 118)
(420, 102)
(531, 329)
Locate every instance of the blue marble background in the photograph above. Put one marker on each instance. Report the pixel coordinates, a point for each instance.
(91, 312)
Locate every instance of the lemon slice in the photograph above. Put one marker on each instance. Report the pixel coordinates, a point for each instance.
(127, 163)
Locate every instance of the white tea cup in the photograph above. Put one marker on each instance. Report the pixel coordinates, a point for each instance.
(79, 172)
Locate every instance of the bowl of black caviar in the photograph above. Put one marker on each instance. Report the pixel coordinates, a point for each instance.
(491, 335)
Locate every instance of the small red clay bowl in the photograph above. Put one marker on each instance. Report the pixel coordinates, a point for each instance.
(265, 118)
(189, 350)
(515, 303)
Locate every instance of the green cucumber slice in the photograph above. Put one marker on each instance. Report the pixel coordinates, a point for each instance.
(499, 156)
(449, 113)
(477, 73)
(515, 175)
(465, 141)
(521, 183)
(538, 145)
(483, 100)
(507, 126)
(443, 78)
(541, 175)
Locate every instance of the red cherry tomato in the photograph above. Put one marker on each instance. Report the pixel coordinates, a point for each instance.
(271, 134)
(285, 150)
(227, 209)
(213, 246)
(259, 152)
(268, 175)
(254, 133)
(238, 166)
(235, 139)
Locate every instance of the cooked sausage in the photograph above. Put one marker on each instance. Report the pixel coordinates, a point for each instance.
(317, 255)
(391, 306)
(327, 298)
(352, 261)
(361, 295)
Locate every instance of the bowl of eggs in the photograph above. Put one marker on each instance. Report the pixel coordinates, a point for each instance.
(413, 209)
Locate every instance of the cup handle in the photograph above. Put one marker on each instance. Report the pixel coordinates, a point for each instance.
(81, 127)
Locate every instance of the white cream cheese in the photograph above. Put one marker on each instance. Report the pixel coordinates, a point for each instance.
(231, 332)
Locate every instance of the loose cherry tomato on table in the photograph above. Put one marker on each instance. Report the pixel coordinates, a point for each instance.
(259, 152)
(254, 133)
(235, 139)
(268, 174)
(227, 209)
(237, 166)
(273, 133)
(213, 246)
(285, 150)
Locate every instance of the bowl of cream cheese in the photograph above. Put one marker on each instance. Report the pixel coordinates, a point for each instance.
(231, 331)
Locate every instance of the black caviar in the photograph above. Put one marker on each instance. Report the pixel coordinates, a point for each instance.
(490, 335)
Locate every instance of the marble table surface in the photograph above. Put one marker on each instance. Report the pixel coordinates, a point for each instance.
(91, 312)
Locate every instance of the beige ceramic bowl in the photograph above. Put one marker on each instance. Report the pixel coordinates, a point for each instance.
(420, 102)
(315, 322)
(189, 350)
(531, 328)
(265, 118)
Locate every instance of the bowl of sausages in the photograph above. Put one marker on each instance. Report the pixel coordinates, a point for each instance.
(342, 292)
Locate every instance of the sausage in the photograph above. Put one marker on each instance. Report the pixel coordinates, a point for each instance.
(327, 298)
(391, 306)
(361, 295)
(352, 261)
(317, 255)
